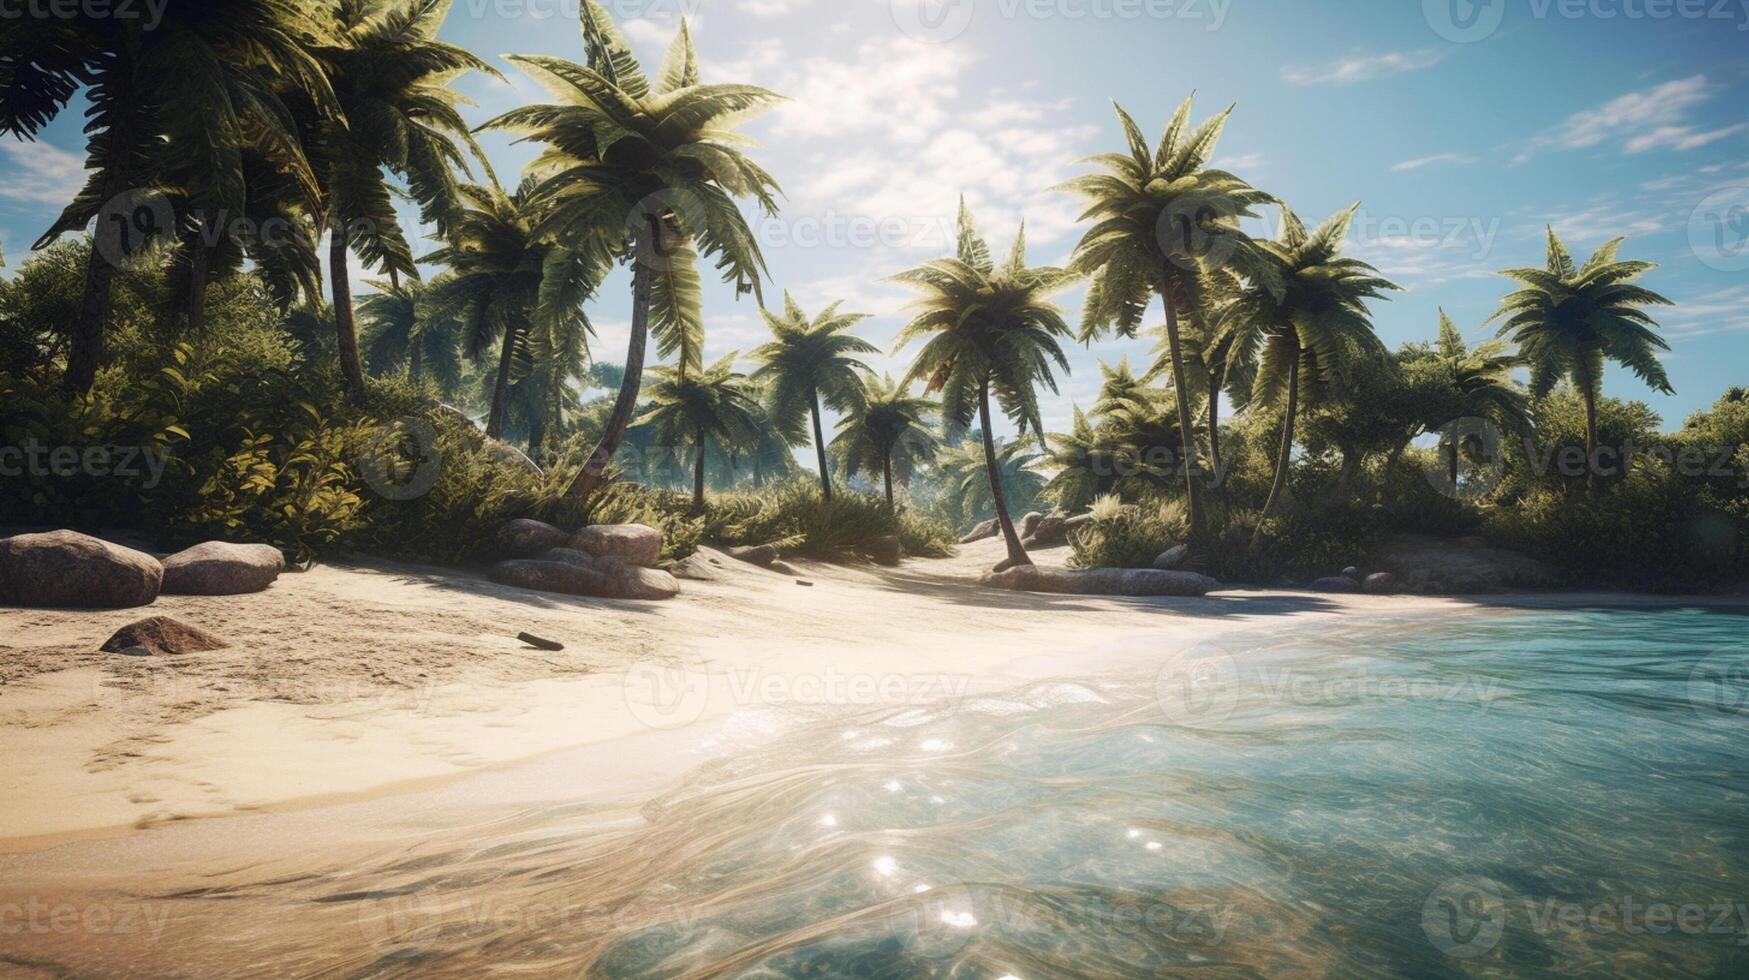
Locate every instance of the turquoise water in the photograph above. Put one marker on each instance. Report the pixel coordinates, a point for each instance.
(1535, 794)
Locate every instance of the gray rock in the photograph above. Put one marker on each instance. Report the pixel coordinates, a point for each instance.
(703, 565)
(987, 529)
(523, 537)
(1335, 583)
(1172, 557)
(70, 570)
(885, 550)
(635, 544)
(1351, 572)
(161, 635)
(1379, 583)
(1028, 524)
(1047, 532)
(222, 568)
(756, 554)
(574, 573)
(1102, 581)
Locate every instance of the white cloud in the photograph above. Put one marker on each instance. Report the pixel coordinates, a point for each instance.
(41, 173)
(1364, 68)
(1654, 118)
(1240, 162)
(1420, 162)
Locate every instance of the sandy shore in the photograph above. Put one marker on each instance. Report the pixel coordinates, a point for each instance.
(349, 682)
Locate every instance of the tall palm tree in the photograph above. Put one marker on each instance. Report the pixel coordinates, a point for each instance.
(391, 78)
(405, 326)
(499, 282)
(989, 329)
(808, 361)
(713, 405)
(648, 174)
(172, 108)
(1207, 355)
(1312, 330)
(1163, 219)
(1482, 378)
(1569, 320)
(893, 432)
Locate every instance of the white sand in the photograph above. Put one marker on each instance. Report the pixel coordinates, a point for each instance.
(347, 683)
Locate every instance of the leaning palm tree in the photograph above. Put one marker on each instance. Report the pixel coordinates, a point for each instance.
(1569, 320)
(175, 103)
(989, 329)
(1164, 219)
(710, 406)
(1207, 356)
(893, 432)
(405, 326)
(391, 78)
(1312, 330)
(498, 281)
(807, 362)
(1482, 379)
(649, 175)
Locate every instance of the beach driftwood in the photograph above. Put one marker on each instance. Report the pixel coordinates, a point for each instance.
(539, 643)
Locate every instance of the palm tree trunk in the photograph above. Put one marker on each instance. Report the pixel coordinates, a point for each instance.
(698, 479)
(820, 446)
(501, 385)
(85, 342)
(351, 366)
(1016, 553)
(1215, 440)
(1193, 493)
(1452, 466)
(195, 300)
(595, 469)
(1284, 458)
(887, 478)
(1590, 394)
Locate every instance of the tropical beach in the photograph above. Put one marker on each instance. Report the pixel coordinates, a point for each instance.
(897, 489)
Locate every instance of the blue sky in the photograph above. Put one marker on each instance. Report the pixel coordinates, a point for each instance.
(1462, 129)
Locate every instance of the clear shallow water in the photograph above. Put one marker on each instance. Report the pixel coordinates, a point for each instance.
(1515, 794)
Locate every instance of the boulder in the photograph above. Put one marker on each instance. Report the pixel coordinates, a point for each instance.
(1459, 566)
(76, 571)
(222, 568)
(570, 572)
(1172, 557)
(522, 537)
(885, 550)
(1379, 583)
(1047, 532)
(634, 544)
(756, 554)
(1335, 583)
(1028, 523)
(1351, 572)
(159, 636)
(987, 529)
(1102, 581)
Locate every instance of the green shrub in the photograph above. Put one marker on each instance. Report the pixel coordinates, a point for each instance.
(793, 516)
(1120, 535)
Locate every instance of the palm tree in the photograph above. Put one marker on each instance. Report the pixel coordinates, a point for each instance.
(705, 406)
(893, 432)
(1207, 355)
(990, 330)
(391, 78)
(1163, 220)
(172, 108)
(1084, 466)
(964, 471)
(500, 283)
(404, 325)
(1569, 320)
(1482, 379)
(807, 361)
(1313, 328)
(646, 175)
